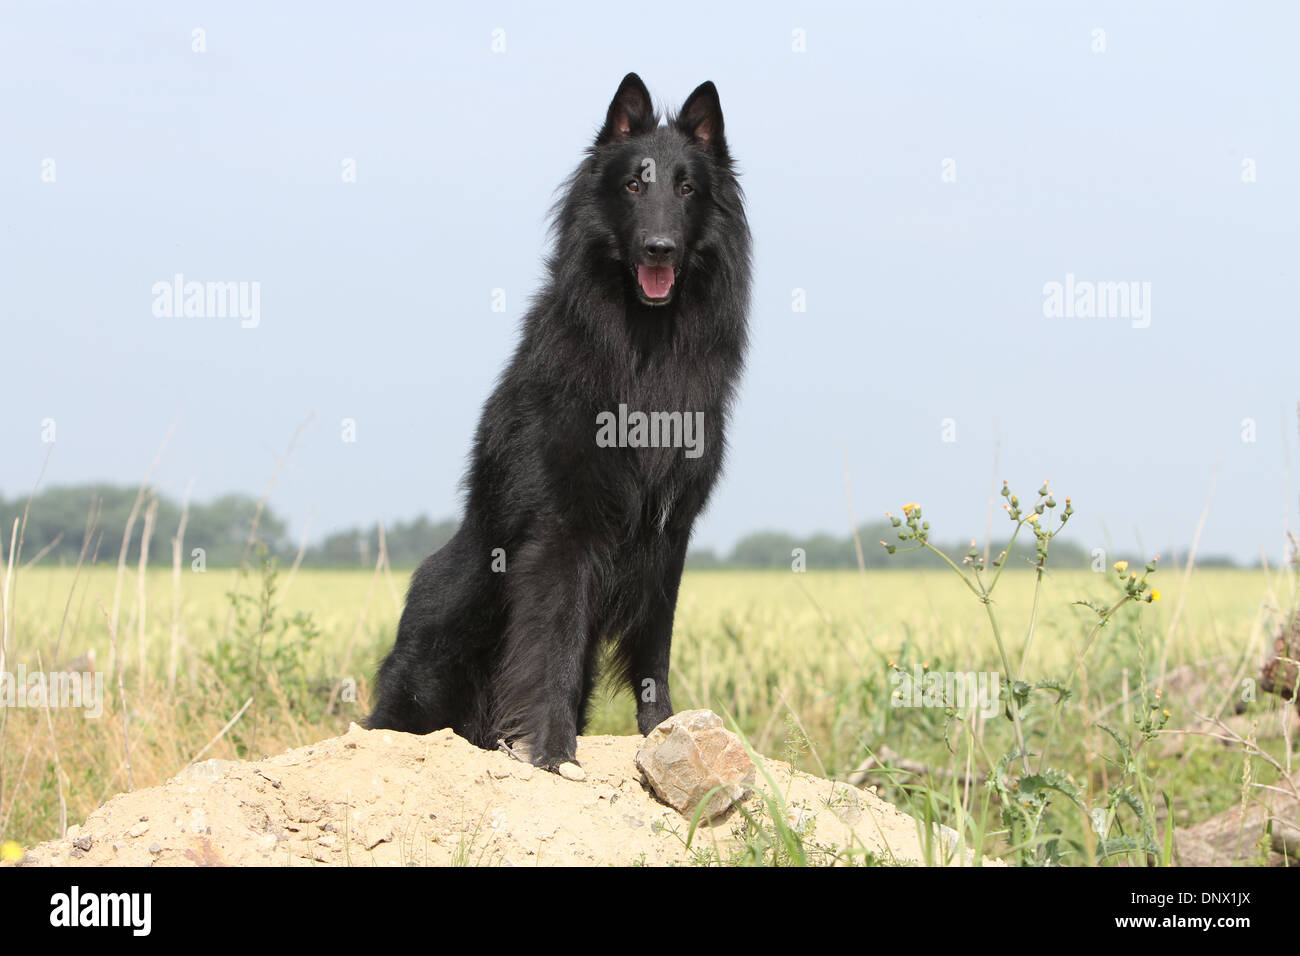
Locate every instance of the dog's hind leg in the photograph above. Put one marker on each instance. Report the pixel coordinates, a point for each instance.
(437, 672)
(416, 694)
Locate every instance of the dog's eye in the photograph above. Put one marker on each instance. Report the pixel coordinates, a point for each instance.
(685, 189)
(633, 185)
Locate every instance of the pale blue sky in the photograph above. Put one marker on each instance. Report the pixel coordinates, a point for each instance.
(924, 298)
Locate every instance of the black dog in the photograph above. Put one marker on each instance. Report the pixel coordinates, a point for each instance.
(594, 454)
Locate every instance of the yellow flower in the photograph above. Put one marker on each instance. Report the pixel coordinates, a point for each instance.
(1121, 566)
(1155, 595)
(910, 507)
(1032, 519)
(10, 851)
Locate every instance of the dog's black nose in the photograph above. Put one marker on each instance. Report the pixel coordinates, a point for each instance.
(660, 247)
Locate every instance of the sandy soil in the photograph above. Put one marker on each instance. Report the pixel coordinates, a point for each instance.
(378, 798)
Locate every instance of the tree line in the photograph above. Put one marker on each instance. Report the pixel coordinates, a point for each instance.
(57, 519)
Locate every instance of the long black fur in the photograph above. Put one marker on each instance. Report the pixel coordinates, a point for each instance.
(593, 538)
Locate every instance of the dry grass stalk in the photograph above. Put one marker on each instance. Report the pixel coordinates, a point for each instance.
(58, 762)
(352, 641)
(4, 597)
(121, 696)
(221, 733)
(130, 527)
(178, 549)
(141, 585)
(297, 561)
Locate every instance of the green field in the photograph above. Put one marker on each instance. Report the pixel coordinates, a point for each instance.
(800, 661)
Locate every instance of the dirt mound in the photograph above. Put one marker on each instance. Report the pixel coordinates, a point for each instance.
(379, 798)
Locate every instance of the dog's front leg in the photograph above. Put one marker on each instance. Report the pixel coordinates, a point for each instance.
(646, 648)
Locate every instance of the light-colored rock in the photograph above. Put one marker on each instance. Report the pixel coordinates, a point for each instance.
(689, 755)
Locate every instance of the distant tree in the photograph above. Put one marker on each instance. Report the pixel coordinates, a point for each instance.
(58, 516)
(701, 559)
(408, 543)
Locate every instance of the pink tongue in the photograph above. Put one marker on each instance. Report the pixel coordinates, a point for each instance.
(655, 281)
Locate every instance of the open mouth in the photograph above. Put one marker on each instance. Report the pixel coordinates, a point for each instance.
(655, 284)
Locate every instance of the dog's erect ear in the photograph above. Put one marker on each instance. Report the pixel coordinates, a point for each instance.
(701, 118)
(630, 112)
